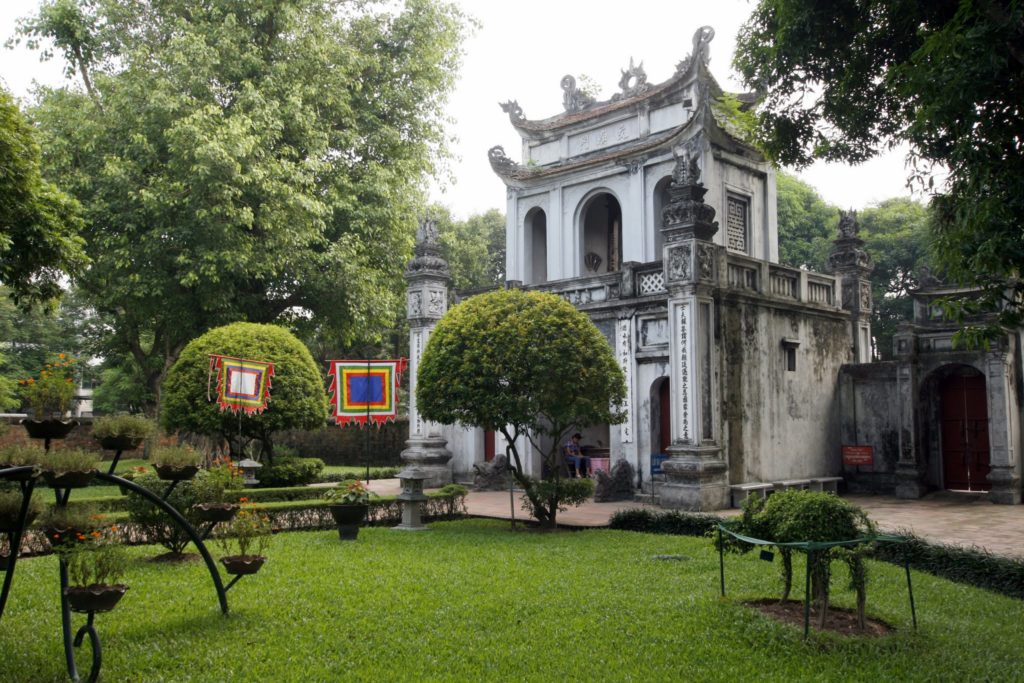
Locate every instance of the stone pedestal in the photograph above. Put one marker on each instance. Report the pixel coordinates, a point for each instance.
(429, 455)
(1005, 485)
(697, 479)
(909, 482)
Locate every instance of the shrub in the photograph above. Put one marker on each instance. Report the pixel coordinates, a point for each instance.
(973, 566)
(53, 391)
(20, 454)
(157, 525)
(175, 456)
(291, 472)
(349, 493)
(122, 426)
(558, 494)
(10, 508)
(67, 460)
(668, 522)
(297, 399)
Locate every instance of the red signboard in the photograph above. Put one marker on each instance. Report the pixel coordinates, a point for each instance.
(858, 455)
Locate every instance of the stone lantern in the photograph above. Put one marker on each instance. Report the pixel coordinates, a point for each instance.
(249, 468)
(412, 495)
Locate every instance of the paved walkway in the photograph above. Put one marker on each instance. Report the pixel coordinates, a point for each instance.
(951, 518)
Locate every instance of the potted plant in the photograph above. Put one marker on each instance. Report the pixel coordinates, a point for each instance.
(122, 432)
(96, 563)
(10, 510)
(49, 397)
(63, 523)
(19, 455)
(348, 503)
(175, 463)
(244, 540)
(68, 468)
(223, 480)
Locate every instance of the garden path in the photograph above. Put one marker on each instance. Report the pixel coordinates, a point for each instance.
(963, 519)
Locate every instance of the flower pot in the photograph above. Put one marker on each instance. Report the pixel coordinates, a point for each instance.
(348, 518)
(62, 536)
(98, 597)
(120, 443)
(215, 512)
(48, 429)
(76, 479)
(242, 564)
(176, 472)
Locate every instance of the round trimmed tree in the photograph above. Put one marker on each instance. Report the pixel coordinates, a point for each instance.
(526, 364)
(297, 396)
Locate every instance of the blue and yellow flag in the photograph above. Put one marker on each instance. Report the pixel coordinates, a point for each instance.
(364, 391)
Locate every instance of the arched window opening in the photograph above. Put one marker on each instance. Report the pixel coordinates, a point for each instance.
(602, 235)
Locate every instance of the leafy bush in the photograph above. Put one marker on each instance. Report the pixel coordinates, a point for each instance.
(94, 558)
(668, 522)
(349, 493)
(53, 391)
(807, 516)
(175, 456)
(291, 472)
(355, 472)
(297, 399)
(19, 454)
(10, 507)
(67, 460)
(122, 426)
(248, 532)
(558, 494)
(157, 525)
(973, 566)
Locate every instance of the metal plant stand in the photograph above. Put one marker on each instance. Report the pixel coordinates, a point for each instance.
(26, 477)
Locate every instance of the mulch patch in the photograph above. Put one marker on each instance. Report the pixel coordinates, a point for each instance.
(839, 620)
(176, 557)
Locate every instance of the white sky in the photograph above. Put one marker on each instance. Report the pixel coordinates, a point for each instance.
(521, 51)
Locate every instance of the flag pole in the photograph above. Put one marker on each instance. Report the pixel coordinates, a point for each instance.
(367, 421)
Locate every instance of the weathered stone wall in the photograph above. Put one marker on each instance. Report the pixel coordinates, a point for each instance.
(779, 424)
(870, 409)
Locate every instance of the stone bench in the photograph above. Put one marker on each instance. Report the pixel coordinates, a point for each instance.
(829, 484)
(792, 484)
(740, 492)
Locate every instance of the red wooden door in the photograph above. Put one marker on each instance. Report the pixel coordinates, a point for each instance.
(965, 455)
(664, 406)
(488, 446)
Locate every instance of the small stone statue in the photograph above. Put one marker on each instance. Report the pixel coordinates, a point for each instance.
(491, 476)
(615, 486)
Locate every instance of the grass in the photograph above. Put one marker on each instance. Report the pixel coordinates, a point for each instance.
(473, 601)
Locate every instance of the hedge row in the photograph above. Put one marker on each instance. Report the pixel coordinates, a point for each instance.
(972, 566)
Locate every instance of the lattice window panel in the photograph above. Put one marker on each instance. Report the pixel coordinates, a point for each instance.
(736, 224)
(652, 283)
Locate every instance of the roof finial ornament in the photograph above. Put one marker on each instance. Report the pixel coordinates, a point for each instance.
(633, 81)
(514, 111)
(687, 170)
(574, 99)
(700, 53)
(848, 227)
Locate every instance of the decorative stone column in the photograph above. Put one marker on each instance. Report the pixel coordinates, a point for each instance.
(696, 474)
(851, 264)
(910, 468)
(427, 277)
(1003, 475)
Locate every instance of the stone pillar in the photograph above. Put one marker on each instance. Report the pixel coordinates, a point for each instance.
(696, 474)
(852, 265)
(1003, 475)
(427, 277)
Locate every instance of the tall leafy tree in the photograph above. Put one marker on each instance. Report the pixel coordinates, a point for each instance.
(245, 159)
(840, 80)
(474, 248)
(528, 365)
(807, 224)
(39, 224)
(896, 235)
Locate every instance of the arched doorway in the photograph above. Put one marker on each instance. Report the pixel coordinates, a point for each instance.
(963, 429)
(601, 233)
(536, 225)
(661, 200)
(661, 422)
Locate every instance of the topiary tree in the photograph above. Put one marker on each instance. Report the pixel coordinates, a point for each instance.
(297, 396)
(528, 365)
(800, 516)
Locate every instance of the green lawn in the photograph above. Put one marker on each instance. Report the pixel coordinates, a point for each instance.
(473, 601)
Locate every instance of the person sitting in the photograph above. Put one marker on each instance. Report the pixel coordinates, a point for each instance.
(575, 461)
